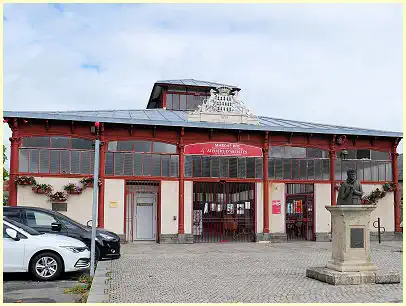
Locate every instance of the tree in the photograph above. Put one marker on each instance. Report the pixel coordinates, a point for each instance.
(5, 172)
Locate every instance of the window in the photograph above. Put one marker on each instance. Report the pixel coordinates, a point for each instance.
(39, 219)
(185, 100)
(369, 165)
(223, 166)
(13, 214)
(141, 158)
(56, 155)
(298, 163)
(160, 147)
(35, 142)
(60, 206)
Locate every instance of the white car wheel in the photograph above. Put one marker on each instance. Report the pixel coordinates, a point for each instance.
(46, 266)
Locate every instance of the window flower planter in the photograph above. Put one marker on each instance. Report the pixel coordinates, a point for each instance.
(25, 180)
(58, 197)
(75, 191)
(88, 182)
(42, 189)
(72, 189)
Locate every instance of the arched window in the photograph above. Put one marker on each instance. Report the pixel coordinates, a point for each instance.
(56, 155)
(141, 158)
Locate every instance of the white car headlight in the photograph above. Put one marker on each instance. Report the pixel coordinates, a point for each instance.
(106, 237)
(75, 249)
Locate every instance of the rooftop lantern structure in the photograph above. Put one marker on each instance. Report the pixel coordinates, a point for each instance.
(223, 105)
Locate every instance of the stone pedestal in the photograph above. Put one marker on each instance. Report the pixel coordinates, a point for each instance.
(350, 238)
(351, 258)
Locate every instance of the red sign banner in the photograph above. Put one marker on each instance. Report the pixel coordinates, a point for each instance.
(223, 149)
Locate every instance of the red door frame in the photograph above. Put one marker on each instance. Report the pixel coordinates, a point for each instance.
(313, 196)
(158, 210)
(250, 181)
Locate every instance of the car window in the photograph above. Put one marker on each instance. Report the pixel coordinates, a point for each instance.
(39, 219)
(69, 223)
(13, 214)
(25, 228)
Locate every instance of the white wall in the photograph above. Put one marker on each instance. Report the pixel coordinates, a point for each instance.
(384, 209)
(188, 210)
(277, 221)
(169, 207)
(114, 216)
(259, 207)
(79, 207)
(322, 197)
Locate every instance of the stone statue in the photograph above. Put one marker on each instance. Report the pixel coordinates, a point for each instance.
(350, 192)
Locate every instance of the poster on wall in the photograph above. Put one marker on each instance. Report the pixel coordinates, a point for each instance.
(230, 208)
(197, 222)
(276, 207)
(298, 206)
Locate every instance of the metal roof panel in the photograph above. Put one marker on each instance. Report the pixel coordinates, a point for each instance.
(161, 117)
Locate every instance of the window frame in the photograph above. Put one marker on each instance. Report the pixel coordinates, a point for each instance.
(276, 164)
(25, 165)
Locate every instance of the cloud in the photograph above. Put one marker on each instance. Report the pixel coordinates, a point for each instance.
(327, 63)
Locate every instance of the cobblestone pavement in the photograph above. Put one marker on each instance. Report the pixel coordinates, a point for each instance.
(245, 272)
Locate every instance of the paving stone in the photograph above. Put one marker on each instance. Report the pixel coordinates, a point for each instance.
(246, 272)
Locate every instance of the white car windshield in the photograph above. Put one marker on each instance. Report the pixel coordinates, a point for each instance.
(25, 228)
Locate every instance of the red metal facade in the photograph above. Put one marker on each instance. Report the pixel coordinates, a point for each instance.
(185, 136)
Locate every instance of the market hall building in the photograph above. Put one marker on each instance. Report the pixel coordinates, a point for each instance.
(198, 166)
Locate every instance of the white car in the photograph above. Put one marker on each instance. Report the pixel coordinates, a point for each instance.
(46, 256)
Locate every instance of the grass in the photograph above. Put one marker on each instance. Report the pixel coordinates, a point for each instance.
(83, 287)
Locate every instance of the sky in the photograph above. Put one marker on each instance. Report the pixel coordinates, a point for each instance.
(327, 63)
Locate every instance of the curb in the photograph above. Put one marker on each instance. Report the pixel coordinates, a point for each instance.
(99, 290)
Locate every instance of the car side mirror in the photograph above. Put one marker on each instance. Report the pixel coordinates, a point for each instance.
(56, 226)
(12, 233)
(87, 224)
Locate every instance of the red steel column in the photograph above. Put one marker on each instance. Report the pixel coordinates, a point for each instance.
(102, 163)
(181, 229)
(396, 183)
(332, 173)
(15, 140)
(266, 185)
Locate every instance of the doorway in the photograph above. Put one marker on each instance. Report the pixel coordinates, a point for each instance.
(223, 212)
(141, 211)
(300, 212)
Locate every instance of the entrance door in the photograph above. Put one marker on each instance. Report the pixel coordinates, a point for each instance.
(299, 212)
(141, 210)
(223, 212)
(145, 217)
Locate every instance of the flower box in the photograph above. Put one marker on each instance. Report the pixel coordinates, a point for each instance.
(25, 180)
(58, 197)
(40, 191)
(75, 191)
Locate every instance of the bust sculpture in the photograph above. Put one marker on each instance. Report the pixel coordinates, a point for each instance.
(350, 192)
